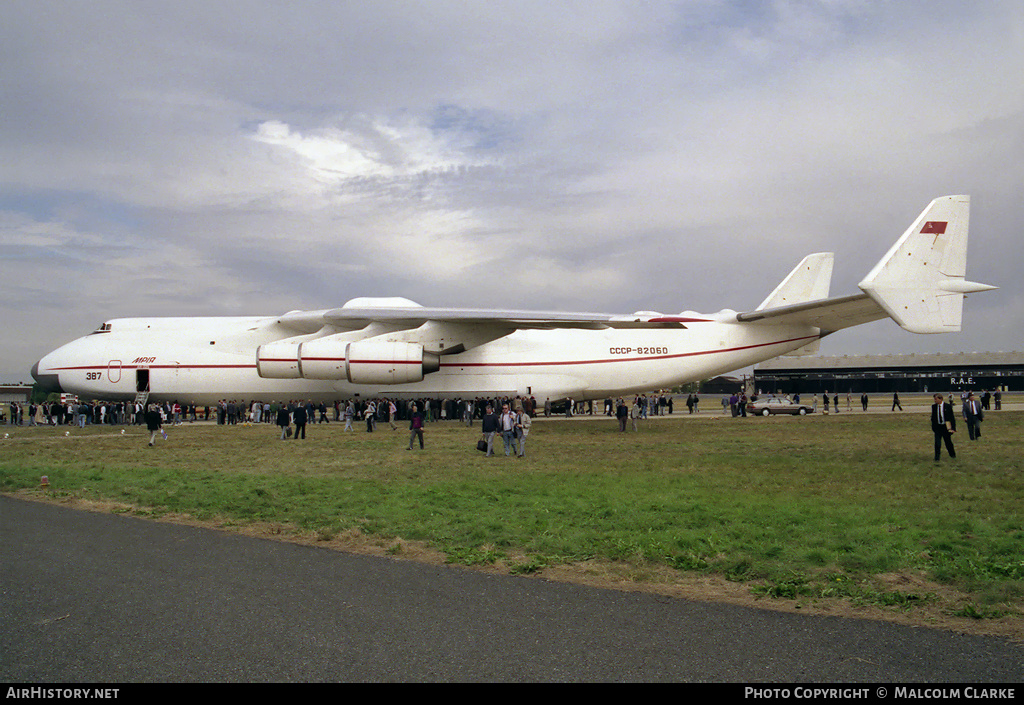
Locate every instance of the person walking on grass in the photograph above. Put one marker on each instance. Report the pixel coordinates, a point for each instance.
(154, 424)
(284, 420)
(489, 429)
(973, 415)
(507, 425)
(943, 426)
(300, 416)
(415, 427)
(524, 430)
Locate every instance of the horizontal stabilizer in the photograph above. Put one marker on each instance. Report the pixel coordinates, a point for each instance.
(829, 315)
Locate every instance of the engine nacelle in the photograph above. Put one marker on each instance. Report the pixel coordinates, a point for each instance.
(388, 363)
(323, 358)
(278, 361)
(364, 362)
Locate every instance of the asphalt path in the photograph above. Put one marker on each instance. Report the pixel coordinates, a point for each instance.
(100, 598)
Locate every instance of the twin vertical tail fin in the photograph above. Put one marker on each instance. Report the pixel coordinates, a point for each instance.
(809, 281)
(920, 282)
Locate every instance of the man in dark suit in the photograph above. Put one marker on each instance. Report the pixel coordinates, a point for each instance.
(943, 426)
(284, 420)
(299, 416)
(153, 423)
(973, 414)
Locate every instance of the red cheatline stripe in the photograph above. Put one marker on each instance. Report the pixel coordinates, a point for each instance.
(155, 367)
(386, 362)
(464, 364)
(624, 359)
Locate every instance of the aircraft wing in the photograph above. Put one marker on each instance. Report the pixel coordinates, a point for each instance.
(353, 318)
(450, 330)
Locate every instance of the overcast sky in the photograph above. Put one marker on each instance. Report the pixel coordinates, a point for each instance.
(226, 158)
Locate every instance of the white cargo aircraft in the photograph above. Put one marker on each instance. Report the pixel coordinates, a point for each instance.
(393, 347)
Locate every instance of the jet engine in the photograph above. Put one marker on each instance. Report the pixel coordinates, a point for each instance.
(278, 361)
(323, 358)
(363, 362)
(388, 363)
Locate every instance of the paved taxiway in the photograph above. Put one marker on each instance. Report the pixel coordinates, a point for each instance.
(90, 597)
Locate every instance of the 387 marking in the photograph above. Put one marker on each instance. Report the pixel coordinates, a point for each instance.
(93, 375)
(638, 351)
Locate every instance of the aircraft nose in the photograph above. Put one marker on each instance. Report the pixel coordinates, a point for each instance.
(47, 382)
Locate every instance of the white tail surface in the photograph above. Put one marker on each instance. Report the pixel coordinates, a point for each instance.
(809, 281)
(920, 281)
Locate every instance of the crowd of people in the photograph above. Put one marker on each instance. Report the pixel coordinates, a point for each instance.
(658, 404)
(513, 422)
(372, 411)
(232, 412)
(292, 416)
(57, 413)
(120, 413)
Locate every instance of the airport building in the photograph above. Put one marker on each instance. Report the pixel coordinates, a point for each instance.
(941, 372)
(20, 393)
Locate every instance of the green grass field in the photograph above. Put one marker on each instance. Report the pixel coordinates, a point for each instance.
(848, 507)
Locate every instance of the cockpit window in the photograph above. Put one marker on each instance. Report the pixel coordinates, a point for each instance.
(105, 328)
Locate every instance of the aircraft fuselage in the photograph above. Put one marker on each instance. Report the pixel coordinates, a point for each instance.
(203, 360)
(393, 347)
